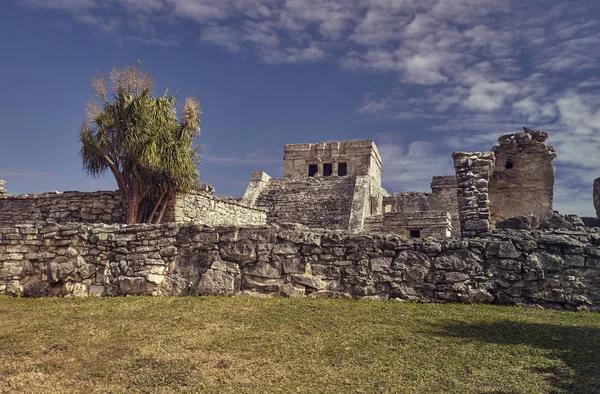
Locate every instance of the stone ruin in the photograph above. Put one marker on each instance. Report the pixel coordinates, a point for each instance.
(337, 186)
(327, 228)
(2, 189)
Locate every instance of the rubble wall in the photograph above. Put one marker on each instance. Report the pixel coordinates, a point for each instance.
(554, 268)
(94, 207)
(318, 202)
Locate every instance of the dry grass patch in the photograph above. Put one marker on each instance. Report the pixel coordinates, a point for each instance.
(246, 345)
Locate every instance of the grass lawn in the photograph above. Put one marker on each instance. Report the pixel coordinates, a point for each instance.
(248, 345)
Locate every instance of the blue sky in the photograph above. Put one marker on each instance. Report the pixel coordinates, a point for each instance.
(422, 78)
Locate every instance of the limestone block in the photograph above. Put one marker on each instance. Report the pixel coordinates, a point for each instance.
(272, 269)
(96, 291)
(307, 280)
(544, 261)
(59, 269)
(132, 285)
(381, 264)
(457, 260)
(241, 252)
(221, 279)
(412, 258)
(293, 290)
(262, 285)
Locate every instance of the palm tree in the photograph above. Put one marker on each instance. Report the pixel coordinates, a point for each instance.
(139, 138)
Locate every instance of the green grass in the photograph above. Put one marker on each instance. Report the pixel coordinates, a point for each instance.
(248, 345)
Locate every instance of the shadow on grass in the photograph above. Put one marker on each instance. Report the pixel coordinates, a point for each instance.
(576, 348)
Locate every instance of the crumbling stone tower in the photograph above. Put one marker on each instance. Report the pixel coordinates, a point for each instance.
(325, 185)
(515, 179)
(522, 181)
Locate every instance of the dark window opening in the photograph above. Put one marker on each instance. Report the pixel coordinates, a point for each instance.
(327, 169)
(508, 165)
(415, 233)
(342, 169)
(312, 169)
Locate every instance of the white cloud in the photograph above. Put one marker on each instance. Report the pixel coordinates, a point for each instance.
(489, 96)
(410, 166)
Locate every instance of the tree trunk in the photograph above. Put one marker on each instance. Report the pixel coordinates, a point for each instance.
(141, 217)
(162, 209)
(131, 204)
(130, 208)
(151, 218)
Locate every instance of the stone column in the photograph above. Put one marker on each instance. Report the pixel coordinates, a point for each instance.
(473, 170)
(2, 184)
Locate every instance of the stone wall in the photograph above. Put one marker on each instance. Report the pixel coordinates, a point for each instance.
(198, 207)
(415, 224)
(554, 268)
(473, 170)
(95, 207)
(319, 202)
(522, 180)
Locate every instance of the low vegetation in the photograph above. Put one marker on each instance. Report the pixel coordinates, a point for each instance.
(247, 345)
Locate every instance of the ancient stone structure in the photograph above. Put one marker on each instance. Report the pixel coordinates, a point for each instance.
(515, 179)
(441, 202)
(105, 207)
(337, 185)
(2, 189)
(554, 268)
(597, 196)
(332, 185)
(332, 231)
(522, 180)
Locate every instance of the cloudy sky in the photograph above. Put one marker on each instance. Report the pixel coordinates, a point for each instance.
(423, 78)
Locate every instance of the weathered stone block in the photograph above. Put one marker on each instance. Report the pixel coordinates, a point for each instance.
(272, 269)
(457, 260)
(222, 278)
(241, 252)
(293, 290)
